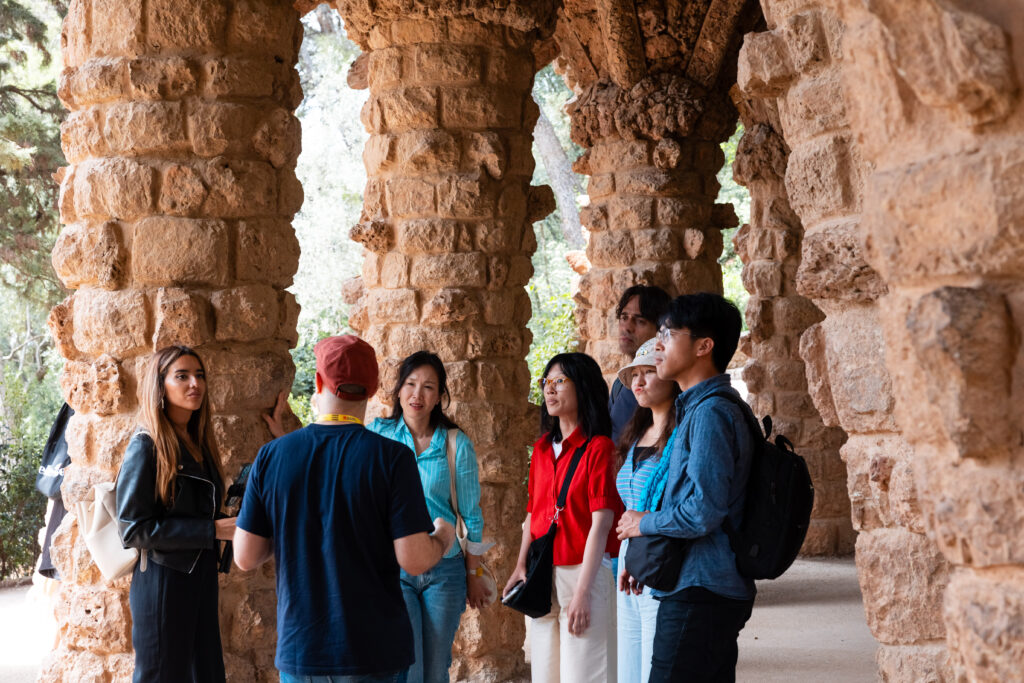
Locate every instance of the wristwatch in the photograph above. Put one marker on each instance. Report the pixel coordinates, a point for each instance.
(478, 572)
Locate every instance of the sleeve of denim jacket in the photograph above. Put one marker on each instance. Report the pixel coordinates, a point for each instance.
(467, 486)
(700, 498)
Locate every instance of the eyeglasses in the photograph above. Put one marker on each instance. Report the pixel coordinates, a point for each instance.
(557, 382)
(626, 318)
(665, 334)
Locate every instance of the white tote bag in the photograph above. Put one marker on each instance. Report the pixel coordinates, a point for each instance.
(97, 522)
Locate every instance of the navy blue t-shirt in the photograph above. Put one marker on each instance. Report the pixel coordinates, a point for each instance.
(333, 498)
(621, 405)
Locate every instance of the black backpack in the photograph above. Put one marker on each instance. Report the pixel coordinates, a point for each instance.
(777, 509)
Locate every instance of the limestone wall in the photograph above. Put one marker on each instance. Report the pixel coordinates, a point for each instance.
(777, 316)
(447, 225)
(899, 117)
(177, 206)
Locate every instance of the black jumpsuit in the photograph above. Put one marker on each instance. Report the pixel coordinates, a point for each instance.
(175, 627)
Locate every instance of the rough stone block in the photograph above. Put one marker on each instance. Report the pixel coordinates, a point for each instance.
(239, 381)
(96, 387)
(114, 323)
(506, 307)
(630, 213)
(240, 189)
(428, 236)
(170, 26)
(447, 64)
(860, 382)
(98, 80)
(74, 34)
(386, 306)
(466, 195)
(268, 252)
(181, 318)
(480, 107)
(805, 37)
(496, 341)
(429, 151)
(222, 127)
(655, 245)
(683, 213)
(119, 189)
(136, 128)
(926, 662)
(81, 135)
(814, 106)
(821, 180)
(764, 68)
(410, 196)
(245, 313)
(117, 27)
(394, 270)
(620, 155)
(173, 251)
(90, 254)
(833, 266)
(764, 278)
(278, 139)
(902, 578)
(984, 614)
(449, 306)
(485, 150)
(240, 77)
(408, 108)
(168, 78)
(468, 270)
(264, 26)
(97, 619)
(794, 314)
(182, 191)
(961, 338)
(385, 68)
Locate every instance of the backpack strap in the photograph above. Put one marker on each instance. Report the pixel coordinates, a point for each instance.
(748, 413)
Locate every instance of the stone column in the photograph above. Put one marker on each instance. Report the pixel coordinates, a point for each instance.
(446, 222)
(799, 62)
(933, 93)
(653, 152)
(777, 317)
(177, 205)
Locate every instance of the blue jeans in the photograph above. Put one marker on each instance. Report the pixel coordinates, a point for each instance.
(696, 637)
(363, 678)
(435, 600)
(637, 621)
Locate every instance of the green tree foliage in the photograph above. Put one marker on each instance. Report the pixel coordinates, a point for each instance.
(739, 197)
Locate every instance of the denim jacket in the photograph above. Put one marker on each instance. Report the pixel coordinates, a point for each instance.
(707, 480)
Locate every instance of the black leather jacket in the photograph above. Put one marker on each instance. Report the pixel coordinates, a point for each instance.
(173, 536)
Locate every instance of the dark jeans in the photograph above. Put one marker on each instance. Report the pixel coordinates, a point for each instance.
(175, 630)
(696, 637)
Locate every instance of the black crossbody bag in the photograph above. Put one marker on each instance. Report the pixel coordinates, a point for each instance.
(656, 561)
(532, 597)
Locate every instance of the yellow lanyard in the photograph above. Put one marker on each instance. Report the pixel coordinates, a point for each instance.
(334, 417)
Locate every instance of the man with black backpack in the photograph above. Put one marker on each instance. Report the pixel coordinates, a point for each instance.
(704, 479)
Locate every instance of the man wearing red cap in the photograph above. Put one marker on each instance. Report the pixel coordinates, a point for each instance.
(340, 509)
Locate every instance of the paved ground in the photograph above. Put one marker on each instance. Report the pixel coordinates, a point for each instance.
(807, 626)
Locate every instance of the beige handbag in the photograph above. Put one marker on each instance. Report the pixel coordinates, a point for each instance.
(97, 523)
(461, 532)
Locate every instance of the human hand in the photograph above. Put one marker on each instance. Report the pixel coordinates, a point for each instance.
(629, 584)
(444, 532)
(518, 574)
(629, 524)
(579, 613)
(280, 413)
(477, 592)
(224, 529)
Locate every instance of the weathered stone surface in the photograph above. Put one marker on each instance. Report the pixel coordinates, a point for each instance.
(98, 620)
(821, 180)
(181, 318)
(962, 337)
(245, 313)
(832, 266)
(170, 251)
(926, 662)
(240, 380)
(90, 254)
(95, 388)
(985, 617)
(110, 322)
(898, 569)
(118, 189)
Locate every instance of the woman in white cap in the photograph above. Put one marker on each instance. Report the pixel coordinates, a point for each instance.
(639, 451)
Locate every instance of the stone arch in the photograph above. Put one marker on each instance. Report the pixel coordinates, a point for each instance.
(883, 142)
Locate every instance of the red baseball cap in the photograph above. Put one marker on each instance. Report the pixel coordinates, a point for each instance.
(348, 367)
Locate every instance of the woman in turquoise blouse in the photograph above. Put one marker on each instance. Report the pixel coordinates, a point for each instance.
(437, 598)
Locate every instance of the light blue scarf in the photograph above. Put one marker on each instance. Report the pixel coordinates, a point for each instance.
(655, 487)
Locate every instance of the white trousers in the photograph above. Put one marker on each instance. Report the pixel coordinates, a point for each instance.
(556, 656)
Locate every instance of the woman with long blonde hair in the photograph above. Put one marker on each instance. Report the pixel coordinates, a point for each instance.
(169, 492)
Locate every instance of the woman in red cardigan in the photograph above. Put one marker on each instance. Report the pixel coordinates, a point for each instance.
(575, 642)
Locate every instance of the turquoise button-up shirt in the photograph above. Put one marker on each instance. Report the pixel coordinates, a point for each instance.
(433, 466)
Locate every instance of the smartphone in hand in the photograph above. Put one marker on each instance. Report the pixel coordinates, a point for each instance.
(512, 592)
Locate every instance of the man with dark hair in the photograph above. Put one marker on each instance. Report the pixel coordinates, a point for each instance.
(340, 509)
(708, 463)
(639, 309)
